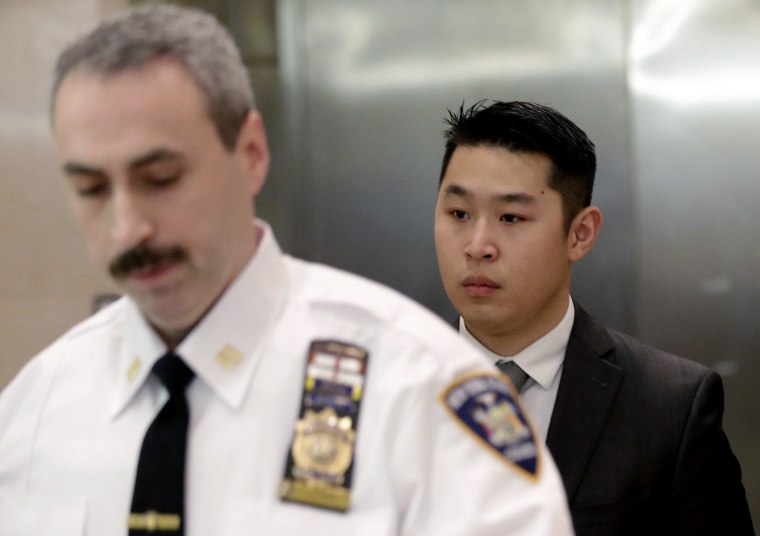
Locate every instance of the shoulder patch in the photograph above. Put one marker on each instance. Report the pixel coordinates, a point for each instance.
(487, 407)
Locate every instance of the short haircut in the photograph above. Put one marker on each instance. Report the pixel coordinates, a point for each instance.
(530, 128)
(194, 38)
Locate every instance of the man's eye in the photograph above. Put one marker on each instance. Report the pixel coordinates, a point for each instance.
(91, 190)
(164, 181)
(511, 218)
(459, 214)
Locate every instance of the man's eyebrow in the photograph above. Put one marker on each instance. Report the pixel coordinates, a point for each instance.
(455, 189)
(512, 197)
(157, 155)
(74, 168)
(518, 197)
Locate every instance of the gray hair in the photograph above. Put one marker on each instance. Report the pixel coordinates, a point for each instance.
(195, 38)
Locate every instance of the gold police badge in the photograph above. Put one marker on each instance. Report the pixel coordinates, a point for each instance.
(323, 446)
(320, 462)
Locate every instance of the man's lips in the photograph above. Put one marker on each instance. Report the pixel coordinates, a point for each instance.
(478, 285)
(152, 272)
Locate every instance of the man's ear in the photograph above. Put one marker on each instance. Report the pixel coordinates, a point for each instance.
(583, 232)
(253, 149)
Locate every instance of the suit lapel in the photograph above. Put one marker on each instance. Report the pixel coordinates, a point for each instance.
(586, 392)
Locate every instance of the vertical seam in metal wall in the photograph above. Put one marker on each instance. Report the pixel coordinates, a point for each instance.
(627, 35)
(290, 18)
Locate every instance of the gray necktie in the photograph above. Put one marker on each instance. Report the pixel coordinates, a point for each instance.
(515, 373)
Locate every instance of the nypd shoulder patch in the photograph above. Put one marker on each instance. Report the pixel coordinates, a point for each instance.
(487, 407)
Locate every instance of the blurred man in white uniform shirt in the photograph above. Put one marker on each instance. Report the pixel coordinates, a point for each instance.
(312, 401)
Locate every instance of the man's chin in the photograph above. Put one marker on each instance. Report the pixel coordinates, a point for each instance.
(166, 313)
(481, 317)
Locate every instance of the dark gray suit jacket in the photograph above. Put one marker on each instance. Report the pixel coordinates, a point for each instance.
(636, 434)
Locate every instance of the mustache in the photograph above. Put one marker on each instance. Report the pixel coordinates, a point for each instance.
(144, 256)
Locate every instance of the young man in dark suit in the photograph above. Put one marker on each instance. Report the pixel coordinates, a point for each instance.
(636, 432)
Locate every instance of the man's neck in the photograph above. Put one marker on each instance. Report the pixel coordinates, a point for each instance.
(507, 342)
(174, 337)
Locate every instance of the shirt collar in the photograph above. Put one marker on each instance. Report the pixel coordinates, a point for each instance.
(224, 349)
(543, 358)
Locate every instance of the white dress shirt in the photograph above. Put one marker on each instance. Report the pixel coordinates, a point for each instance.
(542, 361)
(72, 422)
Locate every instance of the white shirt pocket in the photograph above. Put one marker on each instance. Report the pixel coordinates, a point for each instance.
(42, 515)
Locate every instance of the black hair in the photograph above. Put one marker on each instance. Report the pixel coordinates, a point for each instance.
(530, 128)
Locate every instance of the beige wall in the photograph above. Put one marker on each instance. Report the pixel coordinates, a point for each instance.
(46, 282)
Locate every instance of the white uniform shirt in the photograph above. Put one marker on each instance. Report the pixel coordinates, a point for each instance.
(72, 423)
(542, 361)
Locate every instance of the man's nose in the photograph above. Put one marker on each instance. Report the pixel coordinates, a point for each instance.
(481, 245)
(131, 224)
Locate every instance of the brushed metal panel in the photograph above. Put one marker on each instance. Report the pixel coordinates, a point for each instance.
(695, 88)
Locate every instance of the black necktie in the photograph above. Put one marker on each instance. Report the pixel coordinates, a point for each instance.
(159, 497)
(515, 373)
